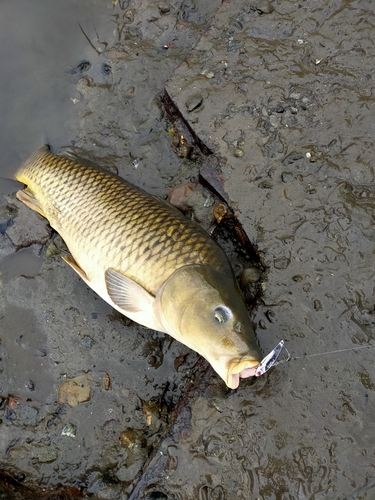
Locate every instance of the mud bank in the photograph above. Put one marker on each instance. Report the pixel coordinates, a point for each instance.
(275, 104)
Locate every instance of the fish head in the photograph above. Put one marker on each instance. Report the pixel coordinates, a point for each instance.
(204, 309)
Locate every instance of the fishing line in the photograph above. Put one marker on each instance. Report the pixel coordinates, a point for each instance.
(272, 358)
(329, 352)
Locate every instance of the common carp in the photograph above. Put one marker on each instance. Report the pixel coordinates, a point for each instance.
(145, 258)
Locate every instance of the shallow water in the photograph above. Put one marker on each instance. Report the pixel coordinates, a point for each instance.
(291, 87)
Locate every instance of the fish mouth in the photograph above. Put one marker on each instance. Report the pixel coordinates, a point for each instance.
(243, 369)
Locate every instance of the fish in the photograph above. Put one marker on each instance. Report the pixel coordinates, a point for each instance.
(145, 258)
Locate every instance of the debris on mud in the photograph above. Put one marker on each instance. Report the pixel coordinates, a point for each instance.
(75, 391)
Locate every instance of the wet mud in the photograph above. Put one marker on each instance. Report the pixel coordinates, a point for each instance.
(257, 120)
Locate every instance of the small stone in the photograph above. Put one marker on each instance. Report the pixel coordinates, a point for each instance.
(306, 287)
(184, 151)
(40, 353)
(238, 152)
(151, 409)
(179, 195)
(194, 102)
(250, 275)
(69, 430)
(274, 121)
(164, 8)
(220, 211)
(52, 250)
(297, 278)
(74, 391)
(107, 382)
(293, 110)
(208, 74)
(86, 342)
(317, 305)
(46, 455)
(30, 384)
(129, 438)
(129, 15)
(209, 201)
(264, 7)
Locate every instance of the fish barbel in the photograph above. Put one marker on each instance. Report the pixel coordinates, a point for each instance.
(145, 258)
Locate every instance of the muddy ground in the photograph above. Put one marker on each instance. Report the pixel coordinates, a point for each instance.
(275, 103)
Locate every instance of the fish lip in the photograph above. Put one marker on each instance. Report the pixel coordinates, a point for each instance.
(241, 369)
(249, 371)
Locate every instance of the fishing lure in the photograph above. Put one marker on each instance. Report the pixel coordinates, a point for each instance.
(271, 359)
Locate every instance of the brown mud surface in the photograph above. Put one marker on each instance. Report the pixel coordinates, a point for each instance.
(263, 113)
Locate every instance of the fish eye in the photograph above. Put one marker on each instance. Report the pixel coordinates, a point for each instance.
(222, 314)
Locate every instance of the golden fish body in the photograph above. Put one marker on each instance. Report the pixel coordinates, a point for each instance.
(145, 258)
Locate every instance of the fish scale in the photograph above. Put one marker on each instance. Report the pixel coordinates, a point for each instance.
(144, 236)
(145, 258)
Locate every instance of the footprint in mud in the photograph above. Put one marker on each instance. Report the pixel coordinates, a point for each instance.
(96, 71)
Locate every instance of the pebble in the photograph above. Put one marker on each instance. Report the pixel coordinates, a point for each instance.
(131, 437)
(220, 211)
(238, 152)
(250, 275)
(264, 7)
(46, 455)
(30, 384)
(74, 391)
(164, 8)
(193, 102)
(274, 121)
(317, 305)
(107, 382)
(69, 430)
(208, 74)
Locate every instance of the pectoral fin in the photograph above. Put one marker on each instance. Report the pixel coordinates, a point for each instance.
(28, 198)
(127, 293)
(72, 263)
